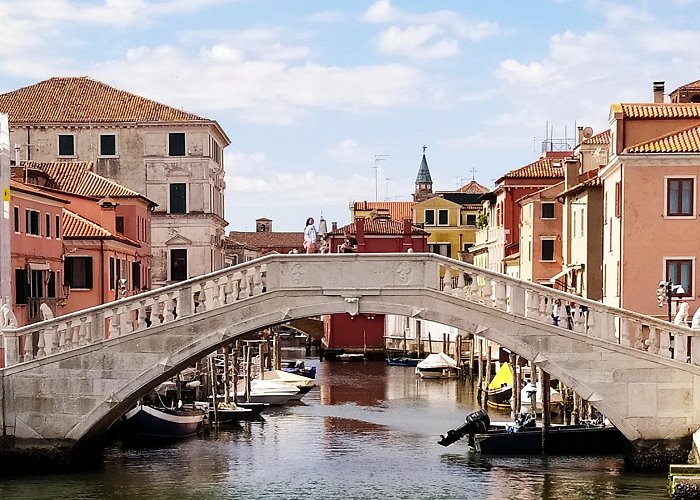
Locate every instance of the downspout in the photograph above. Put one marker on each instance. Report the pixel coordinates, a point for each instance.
(102, 271)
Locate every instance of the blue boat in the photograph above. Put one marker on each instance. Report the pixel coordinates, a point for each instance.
(144, 422)
(402, 361)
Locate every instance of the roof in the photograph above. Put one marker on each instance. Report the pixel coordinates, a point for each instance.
(84, 100)
(688, 86)
(542, 168)
(657, 110)
(397, 210)
(267, 239)
(77, 177)
(464, 199)
(473, 187)
(18, 186)
(603, 138)
(682, 141)
(423, 171)
(76, 227)
(380, 226)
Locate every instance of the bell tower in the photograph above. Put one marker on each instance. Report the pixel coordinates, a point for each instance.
(424, 183)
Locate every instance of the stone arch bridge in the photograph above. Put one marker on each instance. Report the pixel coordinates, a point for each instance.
(91, 366)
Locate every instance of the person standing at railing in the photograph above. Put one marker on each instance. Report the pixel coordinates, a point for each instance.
(310, 236)
(556, 307)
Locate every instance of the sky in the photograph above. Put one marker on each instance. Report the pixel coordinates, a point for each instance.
(328, 102)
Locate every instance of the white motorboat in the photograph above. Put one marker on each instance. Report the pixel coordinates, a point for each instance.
(438, 365)
(267, 391)
(555, 399)
(304, 384)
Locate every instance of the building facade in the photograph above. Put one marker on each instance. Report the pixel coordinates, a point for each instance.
(170, 156)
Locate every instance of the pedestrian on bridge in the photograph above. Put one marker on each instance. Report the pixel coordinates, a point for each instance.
(310, 236)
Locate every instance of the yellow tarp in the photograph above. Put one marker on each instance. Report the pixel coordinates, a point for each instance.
(503, 377)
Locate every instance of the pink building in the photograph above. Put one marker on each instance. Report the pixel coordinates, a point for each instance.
(650, 208)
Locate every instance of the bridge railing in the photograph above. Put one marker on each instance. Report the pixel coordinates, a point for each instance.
(132, 314)
(594, 319)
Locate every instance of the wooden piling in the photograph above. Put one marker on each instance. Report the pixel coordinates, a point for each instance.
(514, 384)
(227, 376)
(212, 371)
(247, 356)
(445, 345)
(517, 388)
(480, 369)
(487, 379)
(430, 344)
(470, 358)
(236, 367)
(546, 416)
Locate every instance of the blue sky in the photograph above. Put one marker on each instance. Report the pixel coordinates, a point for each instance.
(310, 91)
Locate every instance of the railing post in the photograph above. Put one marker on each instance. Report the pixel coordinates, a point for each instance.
(184, 302)
(11, 345)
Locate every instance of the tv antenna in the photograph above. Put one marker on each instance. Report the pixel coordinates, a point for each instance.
(387, 179)
(377, 159)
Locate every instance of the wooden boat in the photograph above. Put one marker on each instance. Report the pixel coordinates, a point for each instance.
(231, 412)
(500, 389)
(151, 422)
(437, 366)
(402, 361)
(298, 367)
(560, 440)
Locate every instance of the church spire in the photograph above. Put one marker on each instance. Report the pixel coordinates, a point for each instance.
(424, 183)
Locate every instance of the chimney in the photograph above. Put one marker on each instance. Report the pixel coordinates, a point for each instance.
(334, 226)
(659, 92)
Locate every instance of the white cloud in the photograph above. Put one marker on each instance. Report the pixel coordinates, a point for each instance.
(328, 16)
(417, 41)
(348, 151)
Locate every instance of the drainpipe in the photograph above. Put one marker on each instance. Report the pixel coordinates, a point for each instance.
(102, 271)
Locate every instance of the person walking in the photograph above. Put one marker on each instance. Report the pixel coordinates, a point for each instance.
(310, 236)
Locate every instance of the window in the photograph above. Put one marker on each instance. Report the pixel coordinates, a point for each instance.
(547, 210)
(16, 215)
(136, 275)
(430, 217)
(618, 199)
(679, 197)
(111, 273)
(48, 226)
(176, 144)
(119, 224)
(66, 145)
(443, 217)
(467, 246)
(178, 198)
(471, 219)
(443, 249)
(108, 145)
(58, 227)
(21, 286)
(178, 265)
(79, 272)
(547, 250)
(32, 222)
(680, 272)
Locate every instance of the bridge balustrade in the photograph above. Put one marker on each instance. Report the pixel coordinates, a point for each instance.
(522, 299)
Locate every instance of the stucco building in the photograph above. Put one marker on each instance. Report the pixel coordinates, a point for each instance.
(170, 156)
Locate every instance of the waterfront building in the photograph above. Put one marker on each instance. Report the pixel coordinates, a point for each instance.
(395, 210)
(498, 234)
(650, 208)
(242, 246)
(540, 235)
(172, 157)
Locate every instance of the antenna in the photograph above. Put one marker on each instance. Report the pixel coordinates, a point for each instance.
(387, 179)
(377, 159)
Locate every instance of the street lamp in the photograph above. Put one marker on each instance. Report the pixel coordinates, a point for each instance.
(666, 292)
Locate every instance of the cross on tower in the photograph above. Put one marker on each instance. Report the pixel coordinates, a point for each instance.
(424, 148)
(473, 171)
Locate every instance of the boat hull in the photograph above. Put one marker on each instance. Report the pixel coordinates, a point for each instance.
(499, 398)
(561, 440)
(402, 361)
(147, 422)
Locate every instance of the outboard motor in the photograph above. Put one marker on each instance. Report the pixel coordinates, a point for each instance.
(477, 422)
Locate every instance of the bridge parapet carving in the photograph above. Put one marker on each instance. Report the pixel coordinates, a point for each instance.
(351, 276)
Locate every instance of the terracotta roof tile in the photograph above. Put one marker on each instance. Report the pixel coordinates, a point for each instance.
(77, 177)
(542, 168)
(84, 100)
(398, 210)
(267, 239)
(379, 226)
(658, 110)
(603, 138)
(77, 227)
(473, 187)
(682, 141)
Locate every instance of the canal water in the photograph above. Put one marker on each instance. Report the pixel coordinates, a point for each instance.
(367, 431)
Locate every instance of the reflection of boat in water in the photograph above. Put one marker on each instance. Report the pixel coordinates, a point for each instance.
(438, 365)
(152, 422)
(500, 389)
(350, 357)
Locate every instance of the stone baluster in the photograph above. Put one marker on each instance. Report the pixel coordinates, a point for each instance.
(112, 318)
(169, 305)
(141, 315)
(461, 284)
(28, 348)
(75, 337)
(201, 299)
(221, 287)
(256, 279)
(680, 347)
(184, 302)
(665, 343)
(653, 340)
(41, 343)
(500, 295)
(447, 280)
(263, 278)
(55, 340)
(488, 292)
(236, 286)
(475, 289)
(229, 296)
(243, 290)
(695, 350)
(623, 331)
(212, 295)
(516, 300)
(82, 332)
(636, 339)
(532, 304)
(68, 337)
(545, 304)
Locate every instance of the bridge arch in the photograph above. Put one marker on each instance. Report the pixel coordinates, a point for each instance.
(79, 384)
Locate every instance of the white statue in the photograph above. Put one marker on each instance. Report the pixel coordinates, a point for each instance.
(46, 311)
(696, 320)
(682, 314)
(8, 317)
